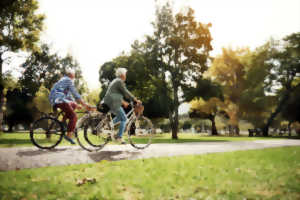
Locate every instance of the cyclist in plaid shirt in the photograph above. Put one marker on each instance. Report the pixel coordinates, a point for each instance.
(61, 97)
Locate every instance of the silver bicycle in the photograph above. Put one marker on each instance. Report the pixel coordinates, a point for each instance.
(95, 129)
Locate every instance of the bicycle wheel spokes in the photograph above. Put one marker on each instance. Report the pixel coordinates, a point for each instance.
(140, 132)
(94, 135)
(46, 133)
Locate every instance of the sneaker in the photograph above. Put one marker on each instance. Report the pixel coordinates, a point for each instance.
(69, 139)
(120, 140)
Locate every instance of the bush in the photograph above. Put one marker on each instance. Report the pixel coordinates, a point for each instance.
(186, 125)
(165, 127)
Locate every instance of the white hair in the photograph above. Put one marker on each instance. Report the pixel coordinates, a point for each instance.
(121, 71)
(70, 71)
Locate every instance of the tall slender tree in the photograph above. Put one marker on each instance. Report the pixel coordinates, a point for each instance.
(284, 61)
(20, 28)
(178, 55)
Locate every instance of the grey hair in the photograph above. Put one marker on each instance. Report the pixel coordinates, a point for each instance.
(121, 71)
(70, 71)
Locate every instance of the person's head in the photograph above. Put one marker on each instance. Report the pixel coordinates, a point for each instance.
(121, 73)
(70, 73)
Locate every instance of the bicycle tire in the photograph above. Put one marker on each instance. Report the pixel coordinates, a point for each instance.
(46, 130)
(92, 138)
(143, 132)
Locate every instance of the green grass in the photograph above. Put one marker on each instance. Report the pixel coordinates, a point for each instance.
(255, 174)
(23, 139)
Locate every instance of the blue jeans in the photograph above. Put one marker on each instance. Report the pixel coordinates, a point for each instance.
(120, 117)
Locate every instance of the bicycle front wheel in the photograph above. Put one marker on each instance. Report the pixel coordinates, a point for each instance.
(46, 133)
(94, 134)
(140, 132)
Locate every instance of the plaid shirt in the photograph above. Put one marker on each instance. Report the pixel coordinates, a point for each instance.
(62, 91)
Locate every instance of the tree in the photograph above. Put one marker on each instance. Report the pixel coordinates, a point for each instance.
(229, 69)
(255, 103)
(41, 100)
(291, 112)
(284, 61)
(167, 63)
(138, 81)
(44, 68)
(20, 27)
(206, 110)
(178, 55)
(20, 109)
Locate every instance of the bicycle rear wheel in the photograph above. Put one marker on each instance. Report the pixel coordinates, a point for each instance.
(140, 132)
(46, 132)
(94, 133)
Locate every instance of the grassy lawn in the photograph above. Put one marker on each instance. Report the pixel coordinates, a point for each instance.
(23, 139)
(255, 174)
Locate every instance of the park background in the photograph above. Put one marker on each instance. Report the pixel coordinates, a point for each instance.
(201, 68)
(228, 66)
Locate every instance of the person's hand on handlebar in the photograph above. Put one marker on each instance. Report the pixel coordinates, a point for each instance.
(125, 104)
(138, 101)
(86, 106)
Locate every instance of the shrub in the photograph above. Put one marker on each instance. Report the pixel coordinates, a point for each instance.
(186, 125)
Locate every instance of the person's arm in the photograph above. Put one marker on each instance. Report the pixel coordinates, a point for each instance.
(77, 95)
(125, 103)
(86, 106)
(125, 91)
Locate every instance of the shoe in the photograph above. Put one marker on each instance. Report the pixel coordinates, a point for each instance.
(69, 139)
(120, 140)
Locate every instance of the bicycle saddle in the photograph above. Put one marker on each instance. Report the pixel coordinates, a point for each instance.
(102, 107)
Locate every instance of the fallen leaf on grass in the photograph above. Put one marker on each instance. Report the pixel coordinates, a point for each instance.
(86, 180)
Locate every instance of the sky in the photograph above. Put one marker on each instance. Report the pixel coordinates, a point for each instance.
(95, 31)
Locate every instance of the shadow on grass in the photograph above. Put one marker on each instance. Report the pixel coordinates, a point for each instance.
(113, 155)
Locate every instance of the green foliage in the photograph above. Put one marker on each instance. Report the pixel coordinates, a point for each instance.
(291, 111)
(20, 25)
(166, 63)
(284, 64)
(20, 109)
(205, 89)
(45, 68)
(139, 81)
(178, 53)
(284, 73)
(10, 82)
(41, 100)
(186, 125)
(20, 28)
(92, 97)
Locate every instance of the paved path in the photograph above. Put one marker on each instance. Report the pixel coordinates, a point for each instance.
(31, 157)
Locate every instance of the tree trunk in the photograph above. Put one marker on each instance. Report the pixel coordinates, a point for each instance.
(289, 129)
(230, 130)
(214, 130)
(174, 113)
(1, 94)
(237, 130)
(10, 128)
(274, 114)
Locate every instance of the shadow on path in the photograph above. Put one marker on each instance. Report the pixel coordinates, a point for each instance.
(39, 152)
(113, 155)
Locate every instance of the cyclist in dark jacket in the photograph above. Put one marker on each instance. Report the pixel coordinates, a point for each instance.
(114, 100)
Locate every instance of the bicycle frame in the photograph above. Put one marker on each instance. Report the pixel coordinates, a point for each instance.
(130, 116)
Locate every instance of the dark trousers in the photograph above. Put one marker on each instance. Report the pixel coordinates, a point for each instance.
(68, 109)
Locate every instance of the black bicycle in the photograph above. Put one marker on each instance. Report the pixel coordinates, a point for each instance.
(48, 131)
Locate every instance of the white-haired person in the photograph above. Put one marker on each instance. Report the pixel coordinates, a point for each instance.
(114, 99)
(60, 97)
